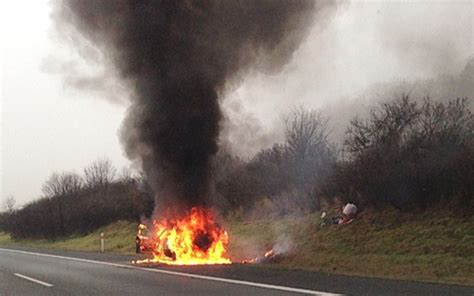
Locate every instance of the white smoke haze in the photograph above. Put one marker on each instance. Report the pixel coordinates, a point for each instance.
(250, 247)
(365, 50)
(283, 244)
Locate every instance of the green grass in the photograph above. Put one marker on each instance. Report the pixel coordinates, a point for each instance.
(5, 238)
(436, 246)
(120, 238)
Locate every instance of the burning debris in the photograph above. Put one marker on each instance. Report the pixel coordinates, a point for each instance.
(283, 246)
(269, 256)
(275, 254)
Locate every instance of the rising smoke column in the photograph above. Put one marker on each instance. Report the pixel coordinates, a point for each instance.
(179, 57)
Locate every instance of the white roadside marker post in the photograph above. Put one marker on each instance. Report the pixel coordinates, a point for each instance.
(102, 242)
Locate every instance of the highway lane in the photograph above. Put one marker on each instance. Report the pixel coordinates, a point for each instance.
(54, 275)
(107, 274)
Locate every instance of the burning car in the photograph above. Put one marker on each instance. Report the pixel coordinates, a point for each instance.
(193, 239)
(190, 240)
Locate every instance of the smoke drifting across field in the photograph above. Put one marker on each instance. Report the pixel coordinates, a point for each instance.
(179, 57)
(367, 52)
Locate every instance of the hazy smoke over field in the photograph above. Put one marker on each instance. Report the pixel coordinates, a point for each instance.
(179, 57)
(366, 52)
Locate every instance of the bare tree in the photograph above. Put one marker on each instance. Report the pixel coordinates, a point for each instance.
(305, 131)
(68, 183)
(387, 126)
(311, 156)
(99, 174)
(9, 204)
(128, 175)
(57, 187)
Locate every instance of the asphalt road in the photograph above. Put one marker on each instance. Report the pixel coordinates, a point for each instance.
(26, 271)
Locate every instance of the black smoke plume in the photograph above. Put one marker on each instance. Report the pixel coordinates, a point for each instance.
(179, 57)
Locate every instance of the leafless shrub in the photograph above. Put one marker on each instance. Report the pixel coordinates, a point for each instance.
(9, 204)
(99, 174)
(310, 155)
(68, 183)
(407, 153)
(68, 208)
(306, 130)
(298, 166)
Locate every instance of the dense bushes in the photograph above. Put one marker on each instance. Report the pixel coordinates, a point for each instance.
(405, 153)
(409, 154)
(72, 204)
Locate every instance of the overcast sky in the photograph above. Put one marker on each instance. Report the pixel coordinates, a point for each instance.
(48, 126)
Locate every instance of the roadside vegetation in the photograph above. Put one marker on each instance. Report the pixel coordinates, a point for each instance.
(407, 166)
(119, 236)
(74, 204)
(436, 246)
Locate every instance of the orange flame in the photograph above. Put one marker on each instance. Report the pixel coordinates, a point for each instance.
(192, 240)
(268, 255)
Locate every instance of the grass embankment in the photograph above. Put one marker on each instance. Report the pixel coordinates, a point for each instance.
(435, 246)
(120, 238)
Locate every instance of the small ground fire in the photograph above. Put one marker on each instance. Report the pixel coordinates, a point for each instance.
(194, 239)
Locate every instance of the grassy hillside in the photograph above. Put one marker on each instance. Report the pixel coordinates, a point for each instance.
(436, 246)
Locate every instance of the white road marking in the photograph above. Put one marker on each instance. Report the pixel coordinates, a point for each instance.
(188, 275)
(32, 280)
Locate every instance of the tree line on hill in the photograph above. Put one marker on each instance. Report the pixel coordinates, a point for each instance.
(75, 204)
(406, 153)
